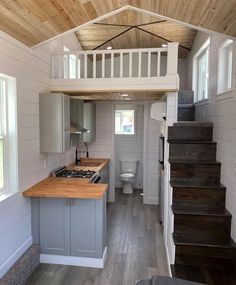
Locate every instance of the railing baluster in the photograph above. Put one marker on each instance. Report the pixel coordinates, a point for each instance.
(85, 65)
(112, 65)
(76, 67)
(63, 66)
(158, 63)
(121, 64)
(130, 63)
(94, 65)
(149, 64)
(103, 65)
(68, 66)
(139, 64)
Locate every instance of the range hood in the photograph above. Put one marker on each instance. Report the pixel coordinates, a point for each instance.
(78, 130)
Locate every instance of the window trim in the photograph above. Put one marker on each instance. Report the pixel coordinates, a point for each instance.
(10, 140)
(202, 49)
(221, 61)
(3, 136)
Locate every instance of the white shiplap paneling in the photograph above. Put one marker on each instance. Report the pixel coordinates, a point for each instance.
(221, 110)
(31, 68)
(131, 147)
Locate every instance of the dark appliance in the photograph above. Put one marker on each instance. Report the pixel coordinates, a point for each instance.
(73, 173)
(161, 178)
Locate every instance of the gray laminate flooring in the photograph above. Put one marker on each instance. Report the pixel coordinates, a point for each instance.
(135, 249)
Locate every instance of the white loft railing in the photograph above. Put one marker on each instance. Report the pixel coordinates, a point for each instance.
(131, 63)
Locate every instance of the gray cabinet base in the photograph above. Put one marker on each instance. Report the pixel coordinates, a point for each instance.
(74, 260)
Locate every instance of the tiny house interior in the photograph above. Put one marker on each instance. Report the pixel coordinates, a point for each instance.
(117, 142)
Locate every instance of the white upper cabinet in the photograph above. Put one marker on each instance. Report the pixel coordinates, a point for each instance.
(54, 113)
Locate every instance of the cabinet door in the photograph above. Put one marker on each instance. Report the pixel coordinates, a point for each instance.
(88, 225)
(55, 226)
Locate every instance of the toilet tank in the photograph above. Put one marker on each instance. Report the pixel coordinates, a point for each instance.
(128, 166)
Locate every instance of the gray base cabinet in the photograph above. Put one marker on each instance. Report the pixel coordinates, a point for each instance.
(55, 226)
(73, 227)
(87, 228)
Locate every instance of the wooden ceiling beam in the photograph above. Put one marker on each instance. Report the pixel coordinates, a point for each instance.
(167, 40)
(125, 31)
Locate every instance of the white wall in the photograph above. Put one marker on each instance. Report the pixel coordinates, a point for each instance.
(31, 68)
(104, 144)
(151, 163)
(131, 147)
(221, 110)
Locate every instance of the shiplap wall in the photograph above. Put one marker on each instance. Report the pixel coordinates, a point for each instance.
(104, 145)
(151, 165)
(221, 110)
(131, 147)
(31, 68)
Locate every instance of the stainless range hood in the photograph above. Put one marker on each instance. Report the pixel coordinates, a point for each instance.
(78, 130)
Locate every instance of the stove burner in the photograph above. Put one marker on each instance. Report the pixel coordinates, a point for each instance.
(75, 173)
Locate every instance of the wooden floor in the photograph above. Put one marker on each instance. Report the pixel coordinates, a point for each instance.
(135, 249)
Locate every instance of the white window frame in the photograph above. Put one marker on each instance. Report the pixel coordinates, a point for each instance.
(125, 107)
(205, 48)
(3, 132)
(9, 134)
(225, 66)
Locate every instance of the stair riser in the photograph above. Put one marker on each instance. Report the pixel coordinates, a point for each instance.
(185, 97)
(211, 228)
(218, 263)
(185, 114)
(196, 173)
(201, 152)
(190, 133)
(205, 252)
(211, 199)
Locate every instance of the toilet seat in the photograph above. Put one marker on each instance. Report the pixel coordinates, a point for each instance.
(127, 176)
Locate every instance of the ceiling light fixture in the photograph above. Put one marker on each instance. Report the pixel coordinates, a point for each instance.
(124, 95)
(109, 47)
(164, 45)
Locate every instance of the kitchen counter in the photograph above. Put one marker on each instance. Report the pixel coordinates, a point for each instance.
(55, 187)
(101, 163)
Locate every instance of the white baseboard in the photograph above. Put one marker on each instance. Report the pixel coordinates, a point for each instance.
(74, 260)
(151, 201)
(15, 256)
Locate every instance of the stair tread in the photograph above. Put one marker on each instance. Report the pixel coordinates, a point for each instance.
(195, 242)
(189, 184)
(192, 124)
(191, 142)
(189, 161)
(183, 211)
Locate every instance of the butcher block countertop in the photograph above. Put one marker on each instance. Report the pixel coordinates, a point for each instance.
(80, 188)
(95, 164)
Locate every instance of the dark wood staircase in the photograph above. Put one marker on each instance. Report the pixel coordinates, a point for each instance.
(205, 251)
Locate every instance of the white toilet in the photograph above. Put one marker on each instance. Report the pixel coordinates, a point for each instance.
(128, 170)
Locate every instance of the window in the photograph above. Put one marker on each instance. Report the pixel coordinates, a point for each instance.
(225, 62)
(3, 171)
(124, 122)
(8, 137)
(201, 72)
(70, 65)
